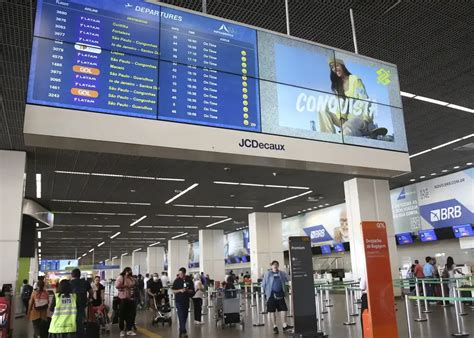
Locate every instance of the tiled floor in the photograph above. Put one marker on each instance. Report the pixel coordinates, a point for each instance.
(441, 323)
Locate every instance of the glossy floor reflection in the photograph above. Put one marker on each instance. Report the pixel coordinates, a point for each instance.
(441, 324)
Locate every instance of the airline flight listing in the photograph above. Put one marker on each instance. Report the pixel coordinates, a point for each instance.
(208, 43)
(208, 97)
(126, 26)
(89, 78)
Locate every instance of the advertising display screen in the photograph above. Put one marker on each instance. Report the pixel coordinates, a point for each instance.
(404, 238)
(464, 230)
(138, 59)
(326, 249)
(339, 247)
(428, 235)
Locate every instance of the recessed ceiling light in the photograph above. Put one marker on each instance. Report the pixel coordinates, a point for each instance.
(132, 190)
(469, 163)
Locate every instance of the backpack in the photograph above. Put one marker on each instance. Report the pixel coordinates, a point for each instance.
(27, 291)
(41, 301)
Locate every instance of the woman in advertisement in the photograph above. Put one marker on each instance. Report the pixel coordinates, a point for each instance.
(354, 116)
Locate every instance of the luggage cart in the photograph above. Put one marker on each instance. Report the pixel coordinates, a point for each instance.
(227, 308)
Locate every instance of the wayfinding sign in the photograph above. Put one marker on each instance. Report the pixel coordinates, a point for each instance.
(302, 288)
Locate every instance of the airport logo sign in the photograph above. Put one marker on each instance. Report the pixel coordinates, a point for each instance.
(318, 233)
(248, 143)
(446, 213)
(383, 76)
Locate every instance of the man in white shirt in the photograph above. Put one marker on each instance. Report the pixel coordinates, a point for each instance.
(165, 279)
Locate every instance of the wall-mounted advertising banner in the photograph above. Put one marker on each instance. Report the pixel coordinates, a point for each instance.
(331, 226)
(193, 255)
(406, 217)
(447, 200)
(318, 234)
(236, 244)
(382, 319)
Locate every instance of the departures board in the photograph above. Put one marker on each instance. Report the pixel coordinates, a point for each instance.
(138, 59)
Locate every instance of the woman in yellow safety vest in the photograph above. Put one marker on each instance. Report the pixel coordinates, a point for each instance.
(63, 321)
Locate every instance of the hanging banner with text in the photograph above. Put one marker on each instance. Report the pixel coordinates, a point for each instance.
(302, 288)
(383, 322)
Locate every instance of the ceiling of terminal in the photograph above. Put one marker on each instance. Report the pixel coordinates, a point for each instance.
(431, 43)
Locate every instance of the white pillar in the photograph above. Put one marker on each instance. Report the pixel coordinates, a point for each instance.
(12, 170)
(266, 242)
(116, 272)
(211, 253)
(155, 260)
(139, 262)
(177, 256)
(369, 200)
(125, 261)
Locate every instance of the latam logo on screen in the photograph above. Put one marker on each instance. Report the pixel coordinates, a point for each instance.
(248, 143)
(446, 213)
(318, 234)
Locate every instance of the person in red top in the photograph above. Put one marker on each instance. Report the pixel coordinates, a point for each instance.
(419, 270)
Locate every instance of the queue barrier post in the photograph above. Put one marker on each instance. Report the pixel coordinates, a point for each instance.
(328, 299)
(459, 323)
(290, 299)
(354, 306)
(320, 332)
(209, 295)
(418, 304)
(262, 299)
(443, 293)
(461, 305)
(257, 322)
(407, 306)
(321, 301)
(252, 295)
(349, 320)
(426, 310)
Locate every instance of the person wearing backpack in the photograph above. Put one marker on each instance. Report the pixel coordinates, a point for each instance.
(26, 291)
(64, 308)
(38, 310)
(83, 291)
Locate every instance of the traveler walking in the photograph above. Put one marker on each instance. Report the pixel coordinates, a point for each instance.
(165, 281)
(38, 311)
(98, 292)
(418, 269)
(26, 291)
(450, 272)
(428, 272)
(183, 289)
(273, 284)
(82, 290)
(197, 300)
(64, 308)
(154, 291)
(125, 284)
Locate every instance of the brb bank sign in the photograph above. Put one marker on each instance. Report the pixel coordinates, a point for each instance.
(446, 213)
(318, 234)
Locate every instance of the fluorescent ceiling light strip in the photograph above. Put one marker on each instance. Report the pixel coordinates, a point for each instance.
(182, 193)
(71, 172)
(139, 203)
(446, 144)
(244, 207)
(252, 184)
(171, 179)
(178, 236)
(84, 255)
(297, 187)
(100, 244)
(38, 185)
(136, 250)
(224, 207)
(410, 95)
(115, 257)
(39, 234)
(91, 250)
(455, 106)
(467, 136)
(420, 153)
(138, 220)
(275, 186)
(287, 199)
(144, 226)
(225, 182)
(156, 243)
(39, 244)
(124, 254)
(430, 100)
(218, 222)
(183, 205)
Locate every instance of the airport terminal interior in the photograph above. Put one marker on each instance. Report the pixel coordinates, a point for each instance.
(247, 168)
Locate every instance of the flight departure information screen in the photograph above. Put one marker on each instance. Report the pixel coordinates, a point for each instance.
(138, 59)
